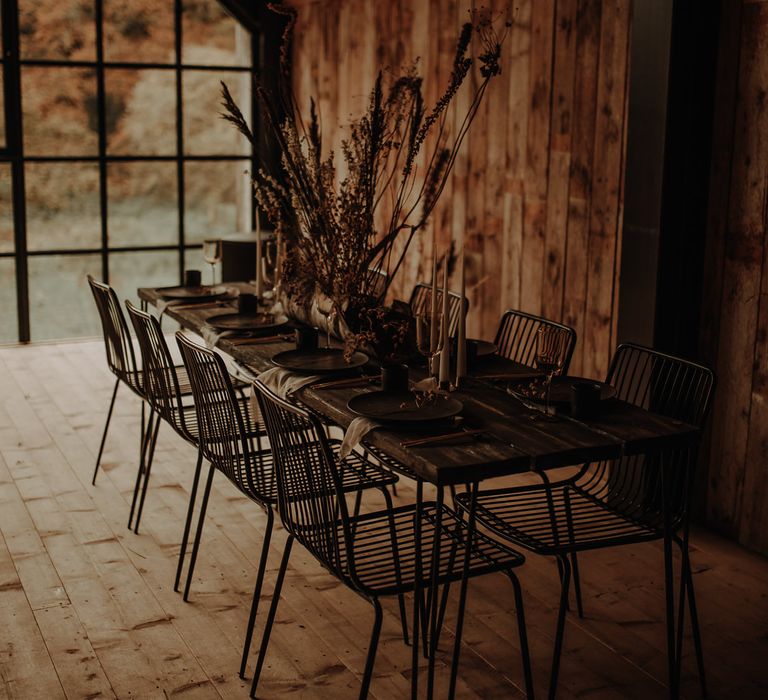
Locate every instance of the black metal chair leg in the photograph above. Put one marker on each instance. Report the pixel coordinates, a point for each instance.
(560, 630)
(396, 553)
(188, 521)
(104, 434)
(669, 588)
(686, 586)
(374, 643)
(577, 583)
(257, 591)
(561, 575)
(271, 615)
(147, 469)
(199, 533)
(358, 502)
(696, 630)
(523, 634)
(146, 432)
(463, 591)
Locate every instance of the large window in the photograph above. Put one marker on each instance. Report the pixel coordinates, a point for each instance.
(113, 158)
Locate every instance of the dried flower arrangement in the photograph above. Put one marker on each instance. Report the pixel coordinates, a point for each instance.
(334, 248)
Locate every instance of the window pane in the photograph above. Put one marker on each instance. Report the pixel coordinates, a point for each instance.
(205, 132)
(60, 302)
(9, 332)
(218, 199)
(138, 31)
(211, 37)
(2, 104)
(6, 209)
(60, 111)
(129, 271)
(62, 206)
(63, 30)
(141, 112)
(143, 204)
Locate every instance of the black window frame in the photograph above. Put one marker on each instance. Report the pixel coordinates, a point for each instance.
(12, 150)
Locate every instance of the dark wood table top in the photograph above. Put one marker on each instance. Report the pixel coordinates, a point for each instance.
(513, 443)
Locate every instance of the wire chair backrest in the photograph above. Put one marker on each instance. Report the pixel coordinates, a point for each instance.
(309, 493)
(671, 387)
(421, 302)
(161, 383)
(121, 358)
(223, 433)
(516, 337)
(379, 278)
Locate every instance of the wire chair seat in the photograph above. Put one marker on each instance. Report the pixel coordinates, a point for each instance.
(384, 550)
(574, 519)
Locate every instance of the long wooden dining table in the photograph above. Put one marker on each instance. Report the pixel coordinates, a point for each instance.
(511, 443)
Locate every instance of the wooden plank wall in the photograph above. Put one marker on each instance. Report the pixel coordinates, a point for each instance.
(735, 315)
(536, 194)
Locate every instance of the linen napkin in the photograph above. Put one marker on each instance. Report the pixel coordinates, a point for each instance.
(211, 336)
(356, 431)
(281, 382)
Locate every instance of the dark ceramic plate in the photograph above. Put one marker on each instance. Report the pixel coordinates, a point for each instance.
(247, 322)
(388, 407)
(319, 361)
(534, 392)
(203, 293)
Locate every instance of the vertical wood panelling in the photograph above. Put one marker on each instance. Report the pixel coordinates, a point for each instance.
(536, 191)
(735, 328)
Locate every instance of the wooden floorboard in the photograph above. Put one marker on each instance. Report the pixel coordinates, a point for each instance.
(87, 608)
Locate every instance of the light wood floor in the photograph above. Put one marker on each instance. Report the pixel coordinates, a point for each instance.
(87, 608)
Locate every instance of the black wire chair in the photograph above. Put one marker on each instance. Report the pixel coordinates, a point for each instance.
(121, 361)
(374, 554)
(233, 443)
(169, 395)
(516, 337)
(421, 301)
(616, 502)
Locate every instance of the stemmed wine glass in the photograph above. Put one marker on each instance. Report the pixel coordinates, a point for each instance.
(550, 355)
(212, 255)
(424, 321)
(330, 313)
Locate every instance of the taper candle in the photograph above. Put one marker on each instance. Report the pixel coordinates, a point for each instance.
(433, 317)
(445, 353)
(279, 261)
(461, 341)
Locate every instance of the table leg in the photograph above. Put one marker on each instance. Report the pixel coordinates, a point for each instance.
(432, 596)
(416, 590)
(463, 589)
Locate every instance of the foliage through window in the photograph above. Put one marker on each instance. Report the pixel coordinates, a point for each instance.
(125, 164)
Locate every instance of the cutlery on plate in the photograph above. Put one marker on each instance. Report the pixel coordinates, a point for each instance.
(206, 305)
(436, 439)
(263, 340)
(348, 382)
(522, 376)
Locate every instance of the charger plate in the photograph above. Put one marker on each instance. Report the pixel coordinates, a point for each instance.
(389, 407)
(318, 361)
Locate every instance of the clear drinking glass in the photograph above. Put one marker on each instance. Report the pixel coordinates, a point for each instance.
(424, 324)
(212, 255)
(550, 355)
